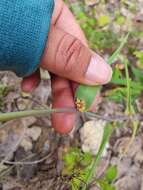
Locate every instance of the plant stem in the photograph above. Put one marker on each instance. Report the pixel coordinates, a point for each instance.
(37, 113)
(135, 125)
(129, 108)
(128, 80)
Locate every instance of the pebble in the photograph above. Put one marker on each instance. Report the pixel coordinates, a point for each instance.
(34, 132)
(91, 135)
(26, 143)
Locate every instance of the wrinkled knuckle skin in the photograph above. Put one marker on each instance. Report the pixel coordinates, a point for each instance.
(72, 55)
(68, 53)
(72, 58)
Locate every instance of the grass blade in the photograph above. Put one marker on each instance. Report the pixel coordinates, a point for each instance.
(114, 56)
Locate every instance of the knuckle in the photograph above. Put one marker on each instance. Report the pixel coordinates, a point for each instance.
(72, 54)
(68, 52)
(72, 57)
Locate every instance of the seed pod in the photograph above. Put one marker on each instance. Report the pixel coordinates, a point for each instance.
(84, 97)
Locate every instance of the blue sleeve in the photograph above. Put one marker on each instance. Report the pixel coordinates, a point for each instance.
(24, 27)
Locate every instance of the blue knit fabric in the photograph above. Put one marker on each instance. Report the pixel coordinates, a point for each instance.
(24, 26)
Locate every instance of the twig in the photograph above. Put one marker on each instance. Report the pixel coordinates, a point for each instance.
(27, 163)
(37, 113)
(136, 117)
(2, 174)
(44, 112)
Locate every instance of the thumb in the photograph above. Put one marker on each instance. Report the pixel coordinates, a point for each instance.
(67, 57)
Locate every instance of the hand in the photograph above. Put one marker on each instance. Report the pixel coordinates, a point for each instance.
(69, 59)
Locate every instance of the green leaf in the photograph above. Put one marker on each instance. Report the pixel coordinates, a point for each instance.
(75, 183)
(111, 173)
(104, 185)
(71, 157)
(86, 159)
(138, 74)
(101, 39)
(117, 95)
(116, 74)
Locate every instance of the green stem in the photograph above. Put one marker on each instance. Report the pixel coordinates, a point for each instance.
(128, 80)
(135, 128)
(36, 113)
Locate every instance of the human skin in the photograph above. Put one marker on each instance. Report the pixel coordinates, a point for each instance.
(70, 61)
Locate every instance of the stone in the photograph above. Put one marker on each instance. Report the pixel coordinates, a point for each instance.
(34, 132)
(26, 143)
(91, 135)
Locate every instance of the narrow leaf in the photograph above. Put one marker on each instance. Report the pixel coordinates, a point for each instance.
(115, 55)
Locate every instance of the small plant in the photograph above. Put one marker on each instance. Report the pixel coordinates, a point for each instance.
(106, 182)
(76, 167)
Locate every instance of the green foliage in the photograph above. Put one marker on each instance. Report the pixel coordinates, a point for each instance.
(139, 56)
(71, 158)
(120, 20)
(4, 90)
(116, 54)
(103, 20)
(86, 159)
(111, 174)
(98, 39)
(76, 165)
(118, 93)
(101, 40)
(104, 185)
(82, 166)
(138, 75)
(106, 182)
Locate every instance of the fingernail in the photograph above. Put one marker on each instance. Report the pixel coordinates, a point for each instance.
(98, 70)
